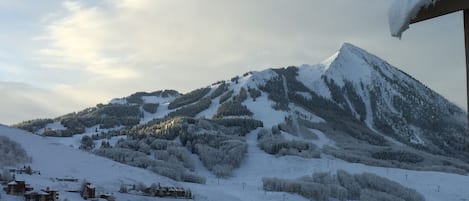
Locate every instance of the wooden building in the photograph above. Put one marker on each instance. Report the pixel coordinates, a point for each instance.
(25, 170)
(17, 188)
(108, 197)
(88, 191)
(164, 191)
(2, 181)
(37, 196)
(67, 179)
(53, 194)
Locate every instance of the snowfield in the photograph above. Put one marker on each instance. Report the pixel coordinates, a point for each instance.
(54, 159)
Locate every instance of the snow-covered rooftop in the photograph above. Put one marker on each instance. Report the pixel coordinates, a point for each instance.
(36, 192)
(402, 11)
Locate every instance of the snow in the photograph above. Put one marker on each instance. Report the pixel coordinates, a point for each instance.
(310, 76)
(121, 101)
(75, 140)
(320, 142)
(262, 109)
(54, 160)
(57, 160)
(415, 138)
(304, 94)
(259, 164)
(36, 192)
(369, 111)
(146, 99)
(161, 112)
(303, 114)
(322, 139)
(364, 71)
(162, 109)
(53, 126)
(59, 157)
(112, 141)
(256, 79)
(212, 110)
(349, 65)
(402, 11)
(157, 99)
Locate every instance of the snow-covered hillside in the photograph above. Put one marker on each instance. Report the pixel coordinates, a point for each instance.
(353, 111)
(58, 161)
(55, 160)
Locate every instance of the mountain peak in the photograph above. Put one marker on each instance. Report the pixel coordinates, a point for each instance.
(350, 51)
(350, 63)
(349, 46)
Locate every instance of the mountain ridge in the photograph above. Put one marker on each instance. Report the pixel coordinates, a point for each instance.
(353, 96)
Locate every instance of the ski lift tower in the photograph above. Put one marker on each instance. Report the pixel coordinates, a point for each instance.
(405, 12)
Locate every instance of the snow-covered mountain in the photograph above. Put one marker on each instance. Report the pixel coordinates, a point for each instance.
(386, 100)
(351, 108)
(389, 101)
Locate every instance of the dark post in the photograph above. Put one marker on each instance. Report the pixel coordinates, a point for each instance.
(466, 39)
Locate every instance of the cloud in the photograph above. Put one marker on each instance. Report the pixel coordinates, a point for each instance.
(129, 38)
(91, 52)
(22, 102)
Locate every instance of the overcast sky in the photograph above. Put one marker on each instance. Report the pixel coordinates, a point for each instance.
(58, 57)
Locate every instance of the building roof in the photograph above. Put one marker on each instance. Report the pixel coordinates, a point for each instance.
(405, 12)
(12, 183)
(402, 11)
(50, 190)
(36, 192)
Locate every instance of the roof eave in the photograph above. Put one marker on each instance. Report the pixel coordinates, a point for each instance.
(439, 8)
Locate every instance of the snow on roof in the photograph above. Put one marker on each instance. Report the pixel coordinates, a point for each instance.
(36, 192)
(42, 193)
(12, 183)
(402, 11)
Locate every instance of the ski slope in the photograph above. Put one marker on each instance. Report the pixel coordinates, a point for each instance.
(54, 159)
